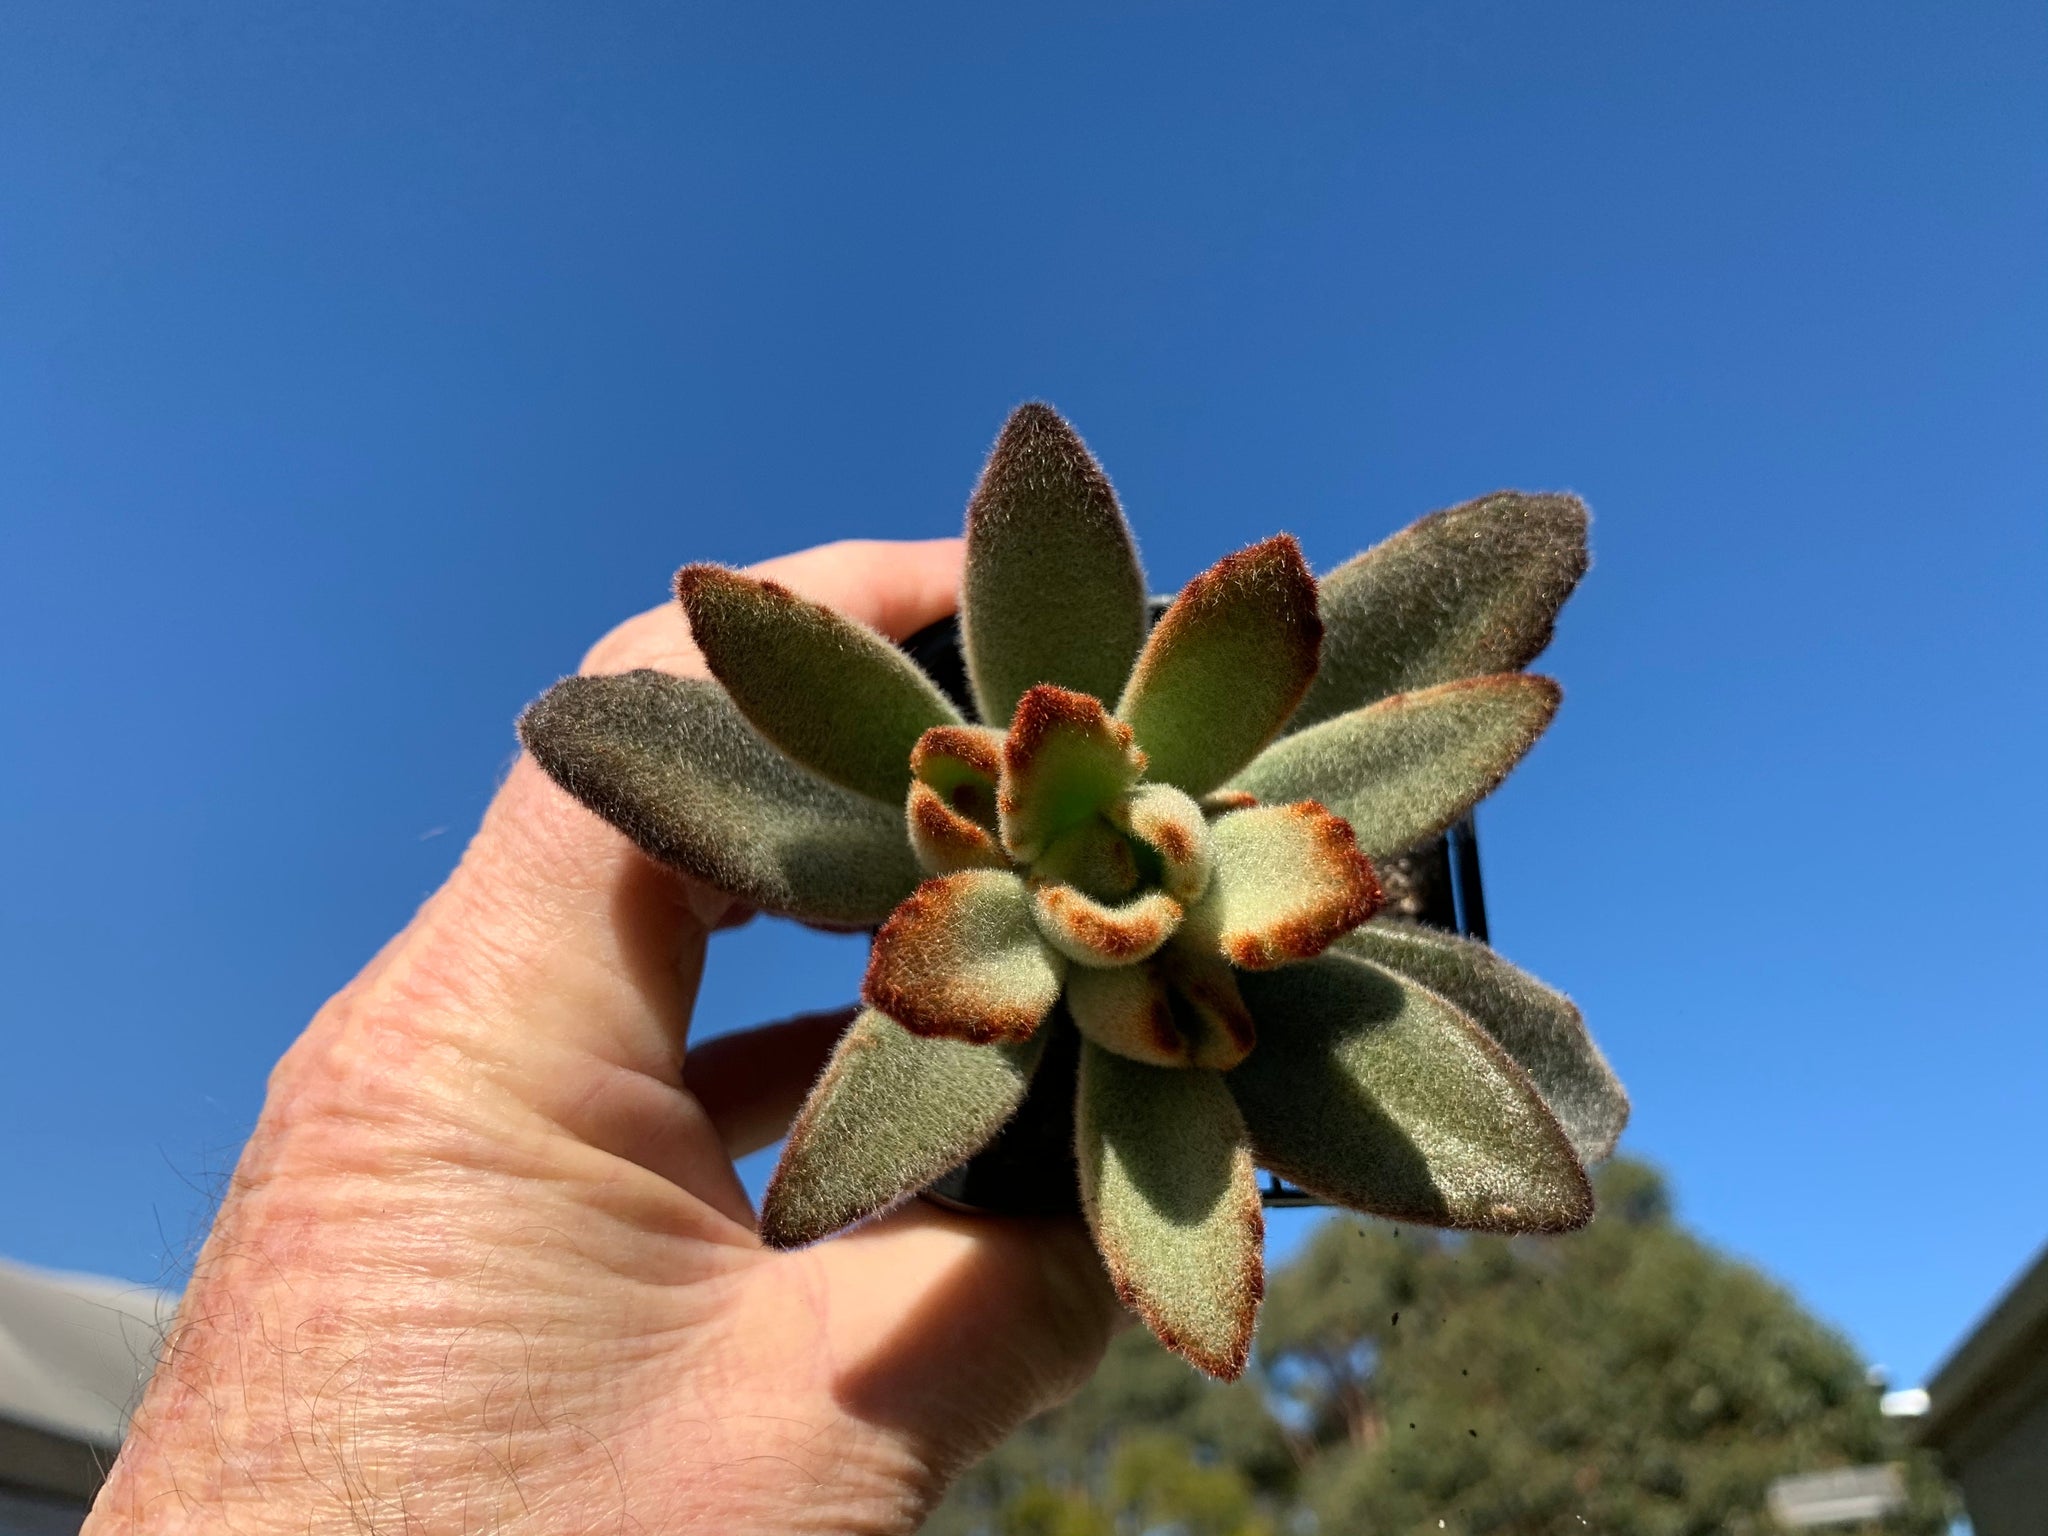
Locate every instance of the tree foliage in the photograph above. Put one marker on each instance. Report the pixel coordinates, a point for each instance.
(1623, 1379)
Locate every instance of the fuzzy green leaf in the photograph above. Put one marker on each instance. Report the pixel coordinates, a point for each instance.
(962, 957)
(1378, 1095)
(944, 839)
(672, 764)
(1173, 1199)
(1091, 932)
(1053, 592)
(1225, 666)
(831, 693)
(1208, 1006)
(1126, 1010)
(1538, 1027)
(1065, 762)
(1287, 880)
(1465, 592)
(1407, 767)
(962, 763)
(891, 1112)
(1094, 858)
(1173, 827)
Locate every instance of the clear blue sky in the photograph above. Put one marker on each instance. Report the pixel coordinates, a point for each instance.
(360, 364)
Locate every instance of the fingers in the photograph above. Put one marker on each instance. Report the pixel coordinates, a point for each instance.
(555, 935)
(752, 1083)
(896, 588)
(542, 862)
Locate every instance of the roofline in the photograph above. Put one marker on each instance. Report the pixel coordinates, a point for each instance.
(1993, 1352)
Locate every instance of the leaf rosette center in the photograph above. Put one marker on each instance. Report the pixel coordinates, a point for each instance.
(1059, 870)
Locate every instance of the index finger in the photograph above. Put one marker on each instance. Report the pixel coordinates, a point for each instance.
(894, 587)
(554, 912)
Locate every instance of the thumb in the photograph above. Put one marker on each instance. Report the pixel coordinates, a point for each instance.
(555, 917)
(952, 1330)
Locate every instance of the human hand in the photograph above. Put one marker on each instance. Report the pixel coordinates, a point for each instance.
(485, 1263)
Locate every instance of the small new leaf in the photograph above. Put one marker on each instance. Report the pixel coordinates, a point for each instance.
(891, 1113)
(962, 958)
(671, 763)
(1171, 1194)
(1127, 1010)
(946, 840)
(1089, 932)
(1208, 1006)
(1065, 762)
(1288, 879)
(1173, 827)
(1407, 767)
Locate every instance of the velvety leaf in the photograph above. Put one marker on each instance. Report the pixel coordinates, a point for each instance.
(831, 693)
(1407, 767)
(1127, 1010)
(962, 957)
(1380, 1096)
(1208, 1006)
(963, 764)
(891, 1112)
(1094, 858)
(1221, 802)
(1225, 666)
(1287, 880)
(672, 764)
(1173, 827)
(1466, 592)
(945, 840)
(1090, 932)
(1065, 761)
(1173, 1199)
(1538, 1027)
(1053, 592)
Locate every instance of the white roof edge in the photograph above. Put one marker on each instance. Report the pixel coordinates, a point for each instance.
(76, 1350)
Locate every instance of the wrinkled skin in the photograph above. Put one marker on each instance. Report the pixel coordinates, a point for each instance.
(485, 1263)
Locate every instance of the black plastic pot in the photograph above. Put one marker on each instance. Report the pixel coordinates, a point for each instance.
(1028, 1170)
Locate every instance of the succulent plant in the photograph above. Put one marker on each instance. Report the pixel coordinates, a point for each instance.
(1159, 836)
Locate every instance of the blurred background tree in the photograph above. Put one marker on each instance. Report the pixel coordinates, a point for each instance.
(1626, 1379)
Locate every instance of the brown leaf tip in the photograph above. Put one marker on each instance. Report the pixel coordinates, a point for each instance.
(1350, 893)
(699, 587)
(693, 580)
(962, 764)
(908, 982)
(1221, 802)
(972, 746)
(1094, 934)
(1225, 1359)
(1046, 710)
(1171, 839)
(1275, 569)
(1547, 689)
(947, 833)
(1038, 452)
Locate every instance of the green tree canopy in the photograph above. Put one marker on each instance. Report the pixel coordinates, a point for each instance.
(1623, 1379)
